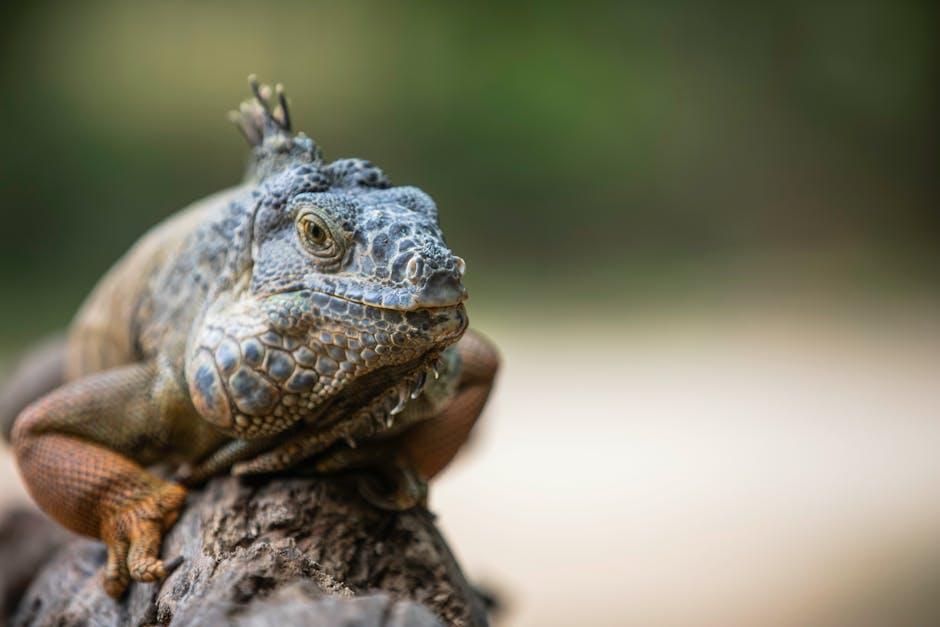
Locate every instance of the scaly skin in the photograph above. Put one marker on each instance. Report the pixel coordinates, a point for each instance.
(280, 323)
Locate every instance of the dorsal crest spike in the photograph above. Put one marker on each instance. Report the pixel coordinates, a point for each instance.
(259, 117)
(265, 122)
(281, 112)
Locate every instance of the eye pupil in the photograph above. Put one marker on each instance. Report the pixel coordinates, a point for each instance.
(315, 232)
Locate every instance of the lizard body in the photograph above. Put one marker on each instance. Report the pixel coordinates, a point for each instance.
(312, 315)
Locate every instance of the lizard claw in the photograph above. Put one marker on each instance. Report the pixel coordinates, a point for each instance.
(173, 564)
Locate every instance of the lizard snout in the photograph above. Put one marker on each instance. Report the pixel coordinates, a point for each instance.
(441, 289)
(436, 286)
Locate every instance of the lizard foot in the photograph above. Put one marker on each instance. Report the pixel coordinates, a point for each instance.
(389, 481)
(133, 536)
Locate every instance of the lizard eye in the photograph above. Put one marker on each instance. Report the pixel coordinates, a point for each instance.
(317, 237)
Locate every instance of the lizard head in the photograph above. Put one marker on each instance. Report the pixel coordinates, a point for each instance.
(345, 301)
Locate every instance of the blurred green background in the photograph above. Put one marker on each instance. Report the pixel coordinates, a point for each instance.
(611, 152)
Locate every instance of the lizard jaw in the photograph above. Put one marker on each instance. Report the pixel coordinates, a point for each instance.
(256, 373)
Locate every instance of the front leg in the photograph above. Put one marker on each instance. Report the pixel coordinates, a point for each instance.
(80, 450)
(438, 431)
(432, 444)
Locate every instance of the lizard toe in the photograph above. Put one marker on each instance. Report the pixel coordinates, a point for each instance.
(146, 569)
(115, 577)
(143, 561)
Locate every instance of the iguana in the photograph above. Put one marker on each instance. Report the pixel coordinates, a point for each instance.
(310, 317)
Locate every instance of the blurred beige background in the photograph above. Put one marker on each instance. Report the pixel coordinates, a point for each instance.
(703, 235)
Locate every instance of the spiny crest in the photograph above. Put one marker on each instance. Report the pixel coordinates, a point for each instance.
(264, 120)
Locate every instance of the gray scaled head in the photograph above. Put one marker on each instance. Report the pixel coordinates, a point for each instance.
(351, 286)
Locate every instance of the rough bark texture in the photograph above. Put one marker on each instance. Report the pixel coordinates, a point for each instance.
(27, 541)
(292, 551)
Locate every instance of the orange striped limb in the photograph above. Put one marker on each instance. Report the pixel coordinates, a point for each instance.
(75, 447)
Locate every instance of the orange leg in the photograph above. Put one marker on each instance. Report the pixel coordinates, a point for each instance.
(73, 448)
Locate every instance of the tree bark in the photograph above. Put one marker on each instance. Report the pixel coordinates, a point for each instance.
(289, 551)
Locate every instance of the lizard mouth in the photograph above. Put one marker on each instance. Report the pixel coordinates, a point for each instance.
(382, 307)
(400, 301)
(298, 310)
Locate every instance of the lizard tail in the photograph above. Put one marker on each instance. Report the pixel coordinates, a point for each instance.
(38, 372)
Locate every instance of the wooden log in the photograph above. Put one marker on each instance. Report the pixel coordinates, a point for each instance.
(288, 551)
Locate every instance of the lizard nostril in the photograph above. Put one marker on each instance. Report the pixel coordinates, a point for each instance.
(414, 268)
(461, 266)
